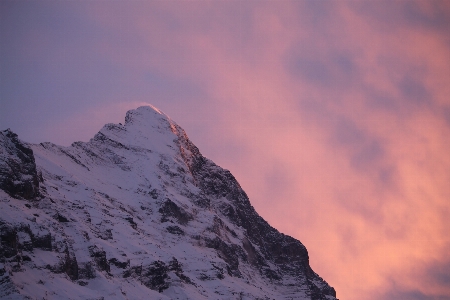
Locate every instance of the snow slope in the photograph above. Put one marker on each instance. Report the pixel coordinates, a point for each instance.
(137, 213)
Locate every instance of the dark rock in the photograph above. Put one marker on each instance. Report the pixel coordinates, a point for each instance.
(70, 266)
(202, 202)
(134, 271)
(7, 285)
(9, 246)
(170, 210)
(131, 221)
(18, 175)
(271, 274)
(219, 273)
(100, 258)
(86, 271)
(229, 253)
(204, 277)
(155, 275)
(175, 230)
(176, 267)
(106, 234)
(12, 247)
(26, 258)
(82, 282)
(154, 194)
(315, 293)
(61, 218)
(119, 264)
(43, 242)
(252, 254)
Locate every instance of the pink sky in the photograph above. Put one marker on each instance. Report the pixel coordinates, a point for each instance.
(333, 116)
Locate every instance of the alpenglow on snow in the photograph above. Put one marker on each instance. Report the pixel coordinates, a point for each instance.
(138, 213)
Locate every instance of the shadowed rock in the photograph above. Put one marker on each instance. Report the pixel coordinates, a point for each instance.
(18, 175)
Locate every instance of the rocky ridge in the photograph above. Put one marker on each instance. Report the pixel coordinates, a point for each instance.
(138, 213)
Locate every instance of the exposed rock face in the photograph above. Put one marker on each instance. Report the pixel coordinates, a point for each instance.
(18, 176)
(138, 212)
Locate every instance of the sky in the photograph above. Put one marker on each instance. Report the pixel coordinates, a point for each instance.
(334, 116)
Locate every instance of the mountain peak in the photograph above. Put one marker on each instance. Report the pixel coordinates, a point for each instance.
(137, 212)
(144, 114)
(146, 127)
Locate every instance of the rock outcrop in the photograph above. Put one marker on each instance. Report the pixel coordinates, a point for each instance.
(18, 175)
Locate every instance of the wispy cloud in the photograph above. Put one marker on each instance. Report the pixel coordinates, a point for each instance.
(334, 116)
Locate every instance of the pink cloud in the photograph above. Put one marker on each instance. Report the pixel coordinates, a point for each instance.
(332, 118)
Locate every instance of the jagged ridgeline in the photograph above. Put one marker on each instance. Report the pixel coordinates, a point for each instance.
(138, 213)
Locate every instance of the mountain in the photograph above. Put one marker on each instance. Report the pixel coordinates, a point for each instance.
(138, 213)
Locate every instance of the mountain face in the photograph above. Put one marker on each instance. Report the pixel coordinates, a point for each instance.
(138, 213)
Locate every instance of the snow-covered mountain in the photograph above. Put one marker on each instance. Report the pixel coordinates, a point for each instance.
(138, 213)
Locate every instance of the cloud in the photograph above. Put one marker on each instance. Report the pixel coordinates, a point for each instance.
(333, 117)
(412, 295)
(414, 91)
